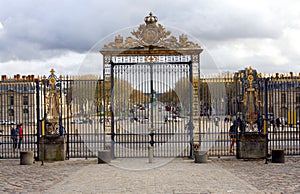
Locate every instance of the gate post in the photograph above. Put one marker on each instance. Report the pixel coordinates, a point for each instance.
(266, 117)
(39, 127)
(112, 85)
(191, 124)
(52, 146)
(252, 141)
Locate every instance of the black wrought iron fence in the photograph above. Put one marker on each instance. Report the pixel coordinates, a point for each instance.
(86, 115)
(216, 111)
(284, 113)
(18, 106)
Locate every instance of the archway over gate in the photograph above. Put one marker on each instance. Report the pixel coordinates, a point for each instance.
(151, 75)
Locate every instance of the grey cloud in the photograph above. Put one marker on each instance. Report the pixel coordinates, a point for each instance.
(220, 21)
(52, 25)
(35, 29)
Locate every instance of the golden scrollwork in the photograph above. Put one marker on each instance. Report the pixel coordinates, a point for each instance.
(250, 79)
(53, 99)
(151, 34)
(151, 59)
(251, 95)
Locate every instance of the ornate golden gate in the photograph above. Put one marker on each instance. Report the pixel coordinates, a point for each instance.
(151, 75)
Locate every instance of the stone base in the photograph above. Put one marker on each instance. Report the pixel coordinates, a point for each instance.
(104, 156)
(251, 146)
(201, 156)
(278, 156)
(52, 148)
(26, 157)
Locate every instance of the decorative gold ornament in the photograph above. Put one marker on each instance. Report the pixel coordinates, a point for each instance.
(151, 59)
(52, 80)
(151, 34)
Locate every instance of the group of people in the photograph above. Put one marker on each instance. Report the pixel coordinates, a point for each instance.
(238, 125)
(17, 136)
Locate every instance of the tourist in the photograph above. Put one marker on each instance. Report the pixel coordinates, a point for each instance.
(14, 137)
(20, 132)
(61, 130)
(232, 134)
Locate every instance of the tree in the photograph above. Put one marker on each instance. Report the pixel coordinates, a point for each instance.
(182, 90)
(121, 91)
(81, 92)
(138, 97)
(169, 97)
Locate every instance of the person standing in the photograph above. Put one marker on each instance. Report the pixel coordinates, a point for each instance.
(20, 131)
(232, 134)
(14, 137)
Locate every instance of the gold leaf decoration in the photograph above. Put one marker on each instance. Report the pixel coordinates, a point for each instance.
(151, 34)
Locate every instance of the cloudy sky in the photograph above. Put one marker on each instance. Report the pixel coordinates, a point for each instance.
(36, 36)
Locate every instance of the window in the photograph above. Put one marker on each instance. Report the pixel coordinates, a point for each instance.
(298, 98)
(25, 100)
(25, 111)
(11, 112)
(11, 100)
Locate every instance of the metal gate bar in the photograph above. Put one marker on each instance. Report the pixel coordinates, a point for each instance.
(17, 101)
(83, 97)
(143, 121)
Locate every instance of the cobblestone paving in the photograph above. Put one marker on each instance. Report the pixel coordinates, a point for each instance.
(268, 178)
(36, 178)
(225, 175)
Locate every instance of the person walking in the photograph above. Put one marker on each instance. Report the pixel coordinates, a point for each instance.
(14, 137)
(20, 132)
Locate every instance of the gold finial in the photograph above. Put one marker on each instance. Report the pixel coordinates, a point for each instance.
(250, 70)
(259, 75)
(52, 71)
(150, 19)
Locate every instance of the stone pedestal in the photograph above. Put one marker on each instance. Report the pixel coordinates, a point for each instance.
(52, 148)
(278, 156)
(150, 153)
(104, 156)
(251, 146)
(26, 157)
(201, 156)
